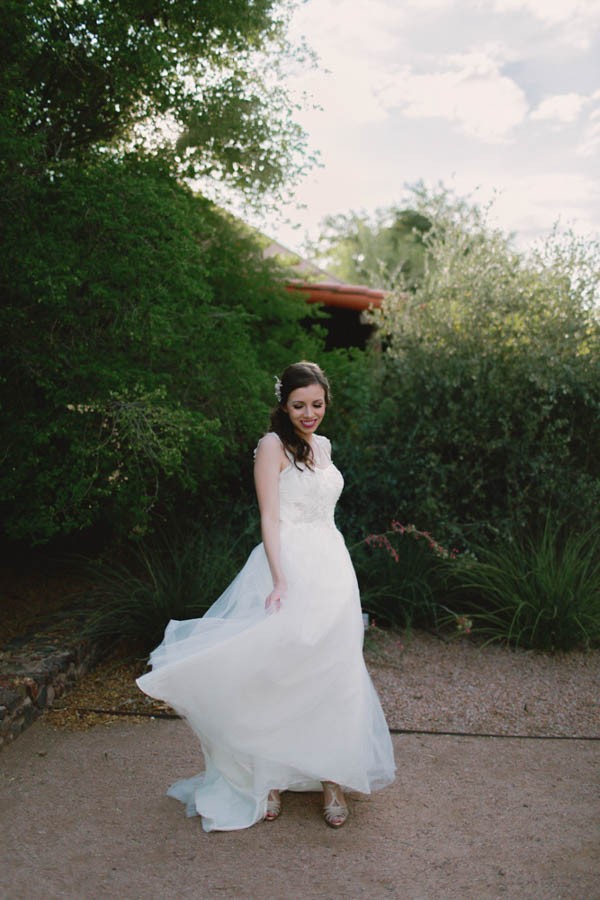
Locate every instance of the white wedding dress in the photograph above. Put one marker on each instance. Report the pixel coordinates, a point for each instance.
(280, 700)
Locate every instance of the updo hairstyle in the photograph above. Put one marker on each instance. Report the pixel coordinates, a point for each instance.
(298, 375)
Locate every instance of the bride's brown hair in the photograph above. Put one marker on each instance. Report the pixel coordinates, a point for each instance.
(298, 375)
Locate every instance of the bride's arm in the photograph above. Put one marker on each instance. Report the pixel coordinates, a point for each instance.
(267, 466)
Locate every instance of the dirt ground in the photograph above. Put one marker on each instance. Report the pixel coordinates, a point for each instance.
(84, 815)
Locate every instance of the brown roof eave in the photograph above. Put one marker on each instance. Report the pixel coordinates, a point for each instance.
(348, 296)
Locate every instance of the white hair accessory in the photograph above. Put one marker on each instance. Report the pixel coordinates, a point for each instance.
(277, 387)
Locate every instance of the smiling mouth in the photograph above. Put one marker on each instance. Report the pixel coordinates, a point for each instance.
(308, 423)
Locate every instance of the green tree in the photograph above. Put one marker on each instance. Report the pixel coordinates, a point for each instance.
(141, 325)
(482, 410)
(81, 73)
(387, 251)
(141, 330)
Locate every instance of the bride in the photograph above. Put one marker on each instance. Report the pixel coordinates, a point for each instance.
(272, 678)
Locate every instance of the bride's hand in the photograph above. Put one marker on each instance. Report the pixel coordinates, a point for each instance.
(273, 601)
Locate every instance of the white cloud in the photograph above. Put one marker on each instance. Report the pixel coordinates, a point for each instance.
(427, 5)
(343, 95)
(470, 91)
(416, 90)
(352, 48)
(590, 144)
(560, 107)
(577, 19)
(552, 11)
(527, 204)
(590, 138)
(347, 27)
(531, 204)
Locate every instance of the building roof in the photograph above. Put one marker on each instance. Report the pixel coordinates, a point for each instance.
(336, 293)
(316, 285)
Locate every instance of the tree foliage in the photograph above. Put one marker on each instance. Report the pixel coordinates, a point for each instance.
(141, 325)
(386, 252)
(481, 410)
(141, 329)
(82, 73)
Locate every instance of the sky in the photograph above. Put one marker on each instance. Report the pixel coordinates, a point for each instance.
(492, 98)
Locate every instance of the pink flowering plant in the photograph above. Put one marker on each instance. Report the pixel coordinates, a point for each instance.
(403, 574)
(382, 540)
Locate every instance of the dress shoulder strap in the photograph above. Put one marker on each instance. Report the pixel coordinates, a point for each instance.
(325, 443)
(270, 436)
(321, 451)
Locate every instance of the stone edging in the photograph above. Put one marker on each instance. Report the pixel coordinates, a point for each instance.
(37, 669)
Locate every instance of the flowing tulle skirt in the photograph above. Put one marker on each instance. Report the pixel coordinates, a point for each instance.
(280, 700)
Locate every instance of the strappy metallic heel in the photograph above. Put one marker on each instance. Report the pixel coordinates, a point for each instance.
(334, 813)
(273, 806)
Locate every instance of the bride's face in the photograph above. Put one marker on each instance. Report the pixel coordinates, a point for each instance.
(306, 407)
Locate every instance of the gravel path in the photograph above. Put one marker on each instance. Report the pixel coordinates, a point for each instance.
(425, 683)
(84, 812)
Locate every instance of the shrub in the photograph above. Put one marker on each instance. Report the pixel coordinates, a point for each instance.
(175, 574)
(479, 408)
(401, 575)
(535, 592)
(141, 330)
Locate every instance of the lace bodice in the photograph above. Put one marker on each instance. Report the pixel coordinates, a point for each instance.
(308, 496)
